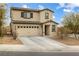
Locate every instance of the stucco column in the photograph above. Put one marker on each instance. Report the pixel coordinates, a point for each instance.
(50, 29)
(43, 30)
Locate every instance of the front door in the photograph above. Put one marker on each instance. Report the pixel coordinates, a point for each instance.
(46, 29)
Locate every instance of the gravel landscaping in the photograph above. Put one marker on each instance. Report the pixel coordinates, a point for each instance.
(67, 40)
(9, 40)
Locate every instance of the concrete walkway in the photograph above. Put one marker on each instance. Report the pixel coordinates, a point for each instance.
(38, 44)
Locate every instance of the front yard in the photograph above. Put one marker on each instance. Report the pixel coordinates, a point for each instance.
(9, 40)
(67, 40)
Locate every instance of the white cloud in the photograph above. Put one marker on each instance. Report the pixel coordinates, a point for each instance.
(54, 17)
(67, 10)
(76, 4)
(67, 7)
(61, 5)
(25, 6)
(40, 7)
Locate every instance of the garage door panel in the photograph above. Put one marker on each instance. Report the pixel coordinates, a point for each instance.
(28, 31)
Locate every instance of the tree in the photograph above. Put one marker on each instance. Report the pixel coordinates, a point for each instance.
(2, 16)
(71, 22)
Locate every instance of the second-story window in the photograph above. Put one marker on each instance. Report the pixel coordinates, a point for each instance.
(27, 15)
(46, 15)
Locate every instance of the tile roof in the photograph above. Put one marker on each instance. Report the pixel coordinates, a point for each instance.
(31, 22)
(28, 9)
(25, 22)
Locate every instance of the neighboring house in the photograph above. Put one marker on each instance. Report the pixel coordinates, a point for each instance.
(31, 22)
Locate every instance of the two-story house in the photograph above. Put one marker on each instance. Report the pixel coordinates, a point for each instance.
(31, 22)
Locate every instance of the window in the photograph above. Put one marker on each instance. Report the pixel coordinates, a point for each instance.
(53, 28)
(21, 26)
(22, 14)
(37, 26)
(18, 26)
(46, 15)
(29, 26)
(32, 26)
(27, 15)
(31, 15)
(24, 26)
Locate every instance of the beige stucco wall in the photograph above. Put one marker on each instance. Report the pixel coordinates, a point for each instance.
(52, 34)
(37, 16)
(16, 15)
(42, 16)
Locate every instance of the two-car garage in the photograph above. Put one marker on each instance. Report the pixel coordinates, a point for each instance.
(28, 30)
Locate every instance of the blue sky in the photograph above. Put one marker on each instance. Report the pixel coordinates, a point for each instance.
(60, 9)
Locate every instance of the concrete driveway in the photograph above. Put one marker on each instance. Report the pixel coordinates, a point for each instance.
(42, 44)
(38, 44)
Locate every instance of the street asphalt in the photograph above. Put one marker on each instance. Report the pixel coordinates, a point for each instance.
(12, 53)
